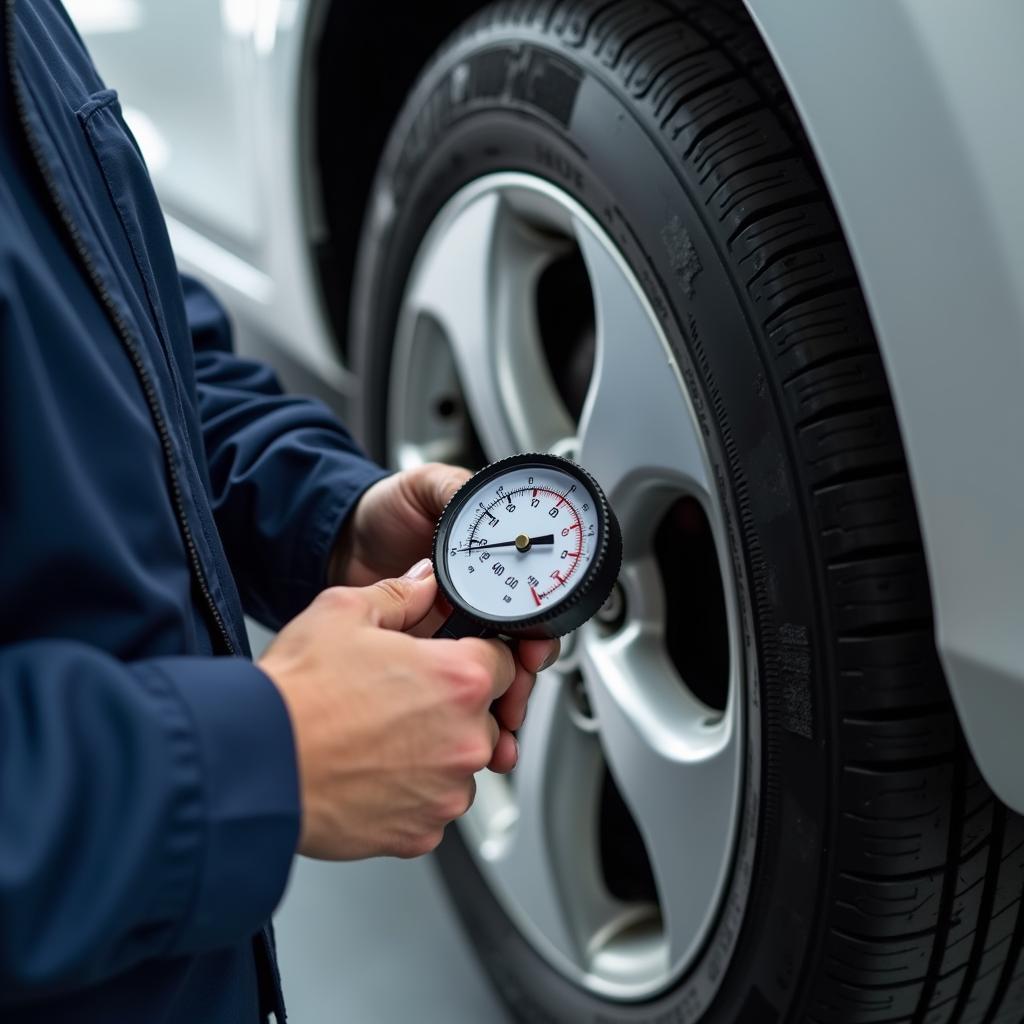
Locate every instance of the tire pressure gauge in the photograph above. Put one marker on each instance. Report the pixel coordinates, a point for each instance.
(528, 547)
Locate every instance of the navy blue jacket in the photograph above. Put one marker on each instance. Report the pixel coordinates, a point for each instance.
(152, 486)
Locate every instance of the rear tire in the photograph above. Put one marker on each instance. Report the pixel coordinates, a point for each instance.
(887, 882)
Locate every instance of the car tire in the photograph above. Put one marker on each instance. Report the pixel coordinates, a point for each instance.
(886, 881)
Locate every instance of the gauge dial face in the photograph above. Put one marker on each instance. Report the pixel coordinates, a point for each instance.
(523, 542)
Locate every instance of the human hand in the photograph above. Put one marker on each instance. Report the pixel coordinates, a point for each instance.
(393, 523)
(390, 728)
(391, 527)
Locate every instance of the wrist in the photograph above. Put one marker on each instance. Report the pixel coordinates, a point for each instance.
(341, 555)
(287, 681)
(344, 560)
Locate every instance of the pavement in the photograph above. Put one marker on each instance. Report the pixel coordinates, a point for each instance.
(375, 942)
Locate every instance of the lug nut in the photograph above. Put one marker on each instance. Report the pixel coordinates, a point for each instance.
(446, 407)
(566, 447)
(612, 613)
(581, 699)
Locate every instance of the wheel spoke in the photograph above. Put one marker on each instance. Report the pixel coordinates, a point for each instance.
(476, 280)
(677, 771)
(549, 866)
(453, 286)
(489, 299)
(636, 422)
(535, 410)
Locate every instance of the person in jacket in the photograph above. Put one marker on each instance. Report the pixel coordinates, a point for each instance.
(155, 784)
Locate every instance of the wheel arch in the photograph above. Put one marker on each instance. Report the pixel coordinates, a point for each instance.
(346, 115)
(936, 231)
(342, 38)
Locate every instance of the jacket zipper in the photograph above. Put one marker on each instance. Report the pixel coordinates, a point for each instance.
(123, 332)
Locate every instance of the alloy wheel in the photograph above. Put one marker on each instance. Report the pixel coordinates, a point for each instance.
(612, 844)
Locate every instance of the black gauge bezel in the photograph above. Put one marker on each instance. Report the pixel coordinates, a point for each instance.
(586, 597)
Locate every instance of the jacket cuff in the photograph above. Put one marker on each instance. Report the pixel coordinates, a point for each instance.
(333, 515)
(249, 790)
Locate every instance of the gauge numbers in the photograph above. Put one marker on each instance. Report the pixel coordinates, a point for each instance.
(522, 542)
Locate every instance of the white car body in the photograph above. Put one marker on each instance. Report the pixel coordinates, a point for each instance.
(911, 108)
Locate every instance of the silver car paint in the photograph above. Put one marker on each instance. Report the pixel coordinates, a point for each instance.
(187, 72)
(911, 108)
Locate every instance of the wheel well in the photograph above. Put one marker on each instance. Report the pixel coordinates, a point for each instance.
(363, 65)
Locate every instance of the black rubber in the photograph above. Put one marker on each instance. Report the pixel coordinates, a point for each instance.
(887, 881)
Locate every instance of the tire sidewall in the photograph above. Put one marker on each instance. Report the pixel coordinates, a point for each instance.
(605, 156)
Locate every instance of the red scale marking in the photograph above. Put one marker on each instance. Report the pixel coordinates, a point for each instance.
(561, 581)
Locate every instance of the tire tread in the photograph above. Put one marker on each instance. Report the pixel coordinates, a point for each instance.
(925, 923)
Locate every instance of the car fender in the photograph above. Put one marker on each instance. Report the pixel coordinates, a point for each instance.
(910, 108)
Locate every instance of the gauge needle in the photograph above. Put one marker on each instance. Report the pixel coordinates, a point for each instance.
(521, 542)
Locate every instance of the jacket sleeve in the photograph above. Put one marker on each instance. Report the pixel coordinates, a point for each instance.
(284, 472)
(146, 809)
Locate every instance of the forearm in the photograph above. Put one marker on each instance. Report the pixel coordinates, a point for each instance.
(146, 809)
(285, 478)
(284, 472)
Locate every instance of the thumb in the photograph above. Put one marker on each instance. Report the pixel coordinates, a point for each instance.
(399, 604)
(440, 482)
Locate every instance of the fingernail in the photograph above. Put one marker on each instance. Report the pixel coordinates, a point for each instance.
(549, 661)
(420, 571)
